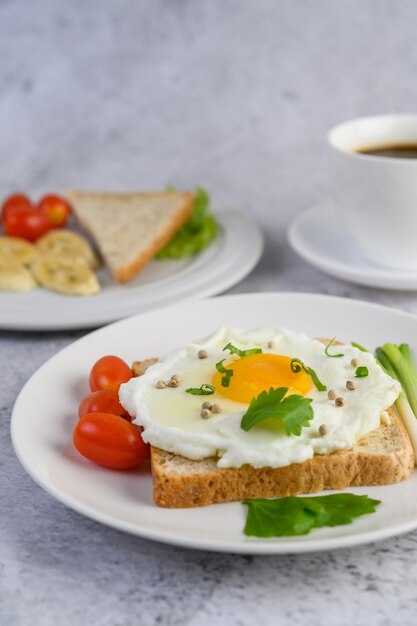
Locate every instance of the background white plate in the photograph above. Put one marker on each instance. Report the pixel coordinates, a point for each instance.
(224, 263)
(319, 237)
(45, 414)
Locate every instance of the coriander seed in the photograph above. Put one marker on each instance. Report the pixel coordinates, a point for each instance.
(216, 408)
(339, 401)
(205, 413)
(324, 430)
(354, 362)
(206, 405)
(331, 394)
(350, 385)
(161, 384)
(270, 344)
(202, 354)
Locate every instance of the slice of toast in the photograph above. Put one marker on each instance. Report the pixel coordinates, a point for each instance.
(130, 228)
(383, 456)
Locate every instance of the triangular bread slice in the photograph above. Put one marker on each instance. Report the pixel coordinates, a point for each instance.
(130, 228)
(383, 456)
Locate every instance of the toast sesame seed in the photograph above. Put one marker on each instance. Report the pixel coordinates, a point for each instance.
(324, 430)
(202, 354)
(350, 385)
(354, 362)
(205, 413)
(339, 401)
(331, 394)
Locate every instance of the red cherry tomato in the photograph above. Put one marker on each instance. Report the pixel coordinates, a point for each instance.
(15, 201)
(110, 440)
(56, 209)
(104, 401)
(109, 373)
(27, 223)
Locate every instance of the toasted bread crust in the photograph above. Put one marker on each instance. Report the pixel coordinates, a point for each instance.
(130, 270)
(384, 456)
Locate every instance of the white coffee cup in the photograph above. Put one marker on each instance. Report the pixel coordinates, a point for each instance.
(376, 196)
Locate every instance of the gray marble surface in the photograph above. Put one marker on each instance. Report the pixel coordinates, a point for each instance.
(237, 96)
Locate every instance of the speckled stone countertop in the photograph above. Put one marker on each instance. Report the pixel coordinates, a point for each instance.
(236, 96)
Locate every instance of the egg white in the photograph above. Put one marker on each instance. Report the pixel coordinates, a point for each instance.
(171, 418)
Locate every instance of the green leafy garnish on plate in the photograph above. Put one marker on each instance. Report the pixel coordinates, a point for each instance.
(200, 230)
(204, 390)
(284, 517)
(296, 366)
(233, 350)
(293, 411)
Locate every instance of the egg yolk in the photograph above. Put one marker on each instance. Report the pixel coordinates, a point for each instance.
(259, 372)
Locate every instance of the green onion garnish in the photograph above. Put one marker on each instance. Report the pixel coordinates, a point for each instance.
(204, 390)
(361, 372)
(296, 367)
(233, 350)
(227, 373)
(326, 350)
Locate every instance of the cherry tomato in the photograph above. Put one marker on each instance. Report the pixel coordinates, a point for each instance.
(56, 209)
(109, 373)
(16, 200)
(104, 401)
(25, 222)
(110, 440)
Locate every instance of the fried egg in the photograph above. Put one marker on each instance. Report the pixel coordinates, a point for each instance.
(171, 416)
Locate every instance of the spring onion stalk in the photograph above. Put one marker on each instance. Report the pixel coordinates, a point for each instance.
(396, 362)
(403, 366)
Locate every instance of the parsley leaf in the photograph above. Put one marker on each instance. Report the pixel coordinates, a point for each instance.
(294, 411)
(284, 517)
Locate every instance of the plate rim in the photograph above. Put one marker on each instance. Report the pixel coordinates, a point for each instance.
(224, 280)
(245, 546)
(372, 276)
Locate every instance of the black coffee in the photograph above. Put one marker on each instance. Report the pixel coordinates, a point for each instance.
(396, 151)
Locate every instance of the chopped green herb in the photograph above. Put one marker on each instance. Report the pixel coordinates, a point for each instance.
(200, 230)
(296, 366)
(227, 373)
(358, 346)
(361, 372)
(326, 350)
(293, 411)
(284, 517)
(233, 350)
(204, 390)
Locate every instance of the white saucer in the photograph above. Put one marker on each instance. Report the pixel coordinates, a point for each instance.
(319, 237)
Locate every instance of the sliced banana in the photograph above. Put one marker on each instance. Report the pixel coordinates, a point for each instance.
(65, 242)
(66, 275)
(13, 275)
(22, 250)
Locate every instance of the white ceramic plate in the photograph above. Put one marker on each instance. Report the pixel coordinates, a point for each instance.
(229, 259)
(44, 417)
(318, 236)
